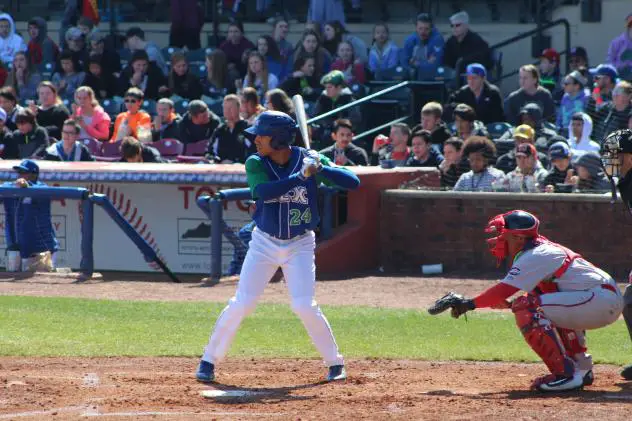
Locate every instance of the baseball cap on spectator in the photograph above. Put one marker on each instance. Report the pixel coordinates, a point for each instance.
(559, 150)
(460, 18)
(524, 131)
(465, 112)
(551, 54)
(73, 34)
(335, 77)
(27, 166)
(526, 149)
(579, 52)
(3, 115)
(476, 69)
(197, 107)
(605, 70)
(577, 77)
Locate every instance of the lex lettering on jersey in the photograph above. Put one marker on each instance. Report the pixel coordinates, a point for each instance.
(298, 195)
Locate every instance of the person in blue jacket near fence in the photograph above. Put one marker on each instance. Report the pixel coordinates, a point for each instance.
(28, 225)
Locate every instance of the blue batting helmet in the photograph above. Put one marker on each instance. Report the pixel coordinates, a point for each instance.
(279, 126)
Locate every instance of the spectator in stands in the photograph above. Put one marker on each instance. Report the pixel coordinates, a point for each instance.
(424, 50)
(250, 105)
(466, 123)
(321, 11)
(423, 154)
(614, 116)
(561, 168)
(530, 92)
(228, 144)
(258, 76)
(347, 63)
(302, 80)
(217, 82)
(573, 101)
(620, 51)
(479, 151)
(335, 95)
(85, 25)
(431, 120)
(181, 82)
(110, 59)
(10, 42)
(137, 152)
(70, 77)
(143, 74)
(198, 123)
(280, 29)
(580, 128)
(310, 44)
(41, 48)
(466, 45)
(267, 47)
(69, 18)
(550, 71)
(384, 54)
(102, 83)
(278, 100)
(93, 121)
(531, 115)
(235, 46)
(522, 134)
(528, 177)
(343, 152)
(482, 96)
(133, 122)
(590, 177)
(454, 163)
(335, 33)
(605, 76)
(6, 135)
(396, 147)
(136, 42)
(51, 112)
(166, 124)
(29, 140)
(187, 20)
(23, 77)
(76, 41)
(69, 149)
(578, 60)
(9, 103)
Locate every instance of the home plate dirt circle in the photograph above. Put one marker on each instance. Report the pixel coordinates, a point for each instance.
(229, 394)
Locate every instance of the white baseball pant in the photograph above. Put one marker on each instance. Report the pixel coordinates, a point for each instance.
(265, 255)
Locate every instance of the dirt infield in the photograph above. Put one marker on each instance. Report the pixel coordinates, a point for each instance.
(163, 388)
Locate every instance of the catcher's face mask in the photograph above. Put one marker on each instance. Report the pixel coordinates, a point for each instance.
(610, 155)
(514, 222)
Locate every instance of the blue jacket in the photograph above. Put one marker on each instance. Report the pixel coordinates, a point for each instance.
(386, 59)
(413, 47)
(28, 224)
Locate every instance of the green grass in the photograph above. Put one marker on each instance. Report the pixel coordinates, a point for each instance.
(32, 326)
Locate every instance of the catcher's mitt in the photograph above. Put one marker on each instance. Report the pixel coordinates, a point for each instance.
(457, 303)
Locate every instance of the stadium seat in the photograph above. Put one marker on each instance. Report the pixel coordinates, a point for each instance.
(496, 130)
(198, 56)
(169, 148)
(504, 146)
(167, 52)
(126, 56)
(452, 127)
(184, 159)
(181, 106)
(113, 108)
(93, 145)
(46, 70)
(111, 149)
(149, 105)
(196, 148)
(549, 125)
(198, 69)
(398, 73)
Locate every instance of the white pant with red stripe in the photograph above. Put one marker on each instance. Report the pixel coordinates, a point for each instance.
(265, 255)
(583, 310)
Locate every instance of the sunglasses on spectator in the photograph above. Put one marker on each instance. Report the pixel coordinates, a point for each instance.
(456, 25)
(131, 101)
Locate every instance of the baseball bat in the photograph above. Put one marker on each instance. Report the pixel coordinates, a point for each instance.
(301, 118)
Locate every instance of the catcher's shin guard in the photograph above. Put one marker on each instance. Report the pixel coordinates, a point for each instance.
(542, 336)
(627, 307)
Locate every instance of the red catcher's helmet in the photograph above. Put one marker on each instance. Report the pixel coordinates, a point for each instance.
(516, 222)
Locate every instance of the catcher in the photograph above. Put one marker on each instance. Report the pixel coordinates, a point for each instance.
(565, 296)
(616, 157)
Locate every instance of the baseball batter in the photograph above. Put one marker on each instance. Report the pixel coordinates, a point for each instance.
(566, 295)
(283, 180)
(617, 162)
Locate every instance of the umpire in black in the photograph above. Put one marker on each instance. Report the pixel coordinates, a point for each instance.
(616, 156)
